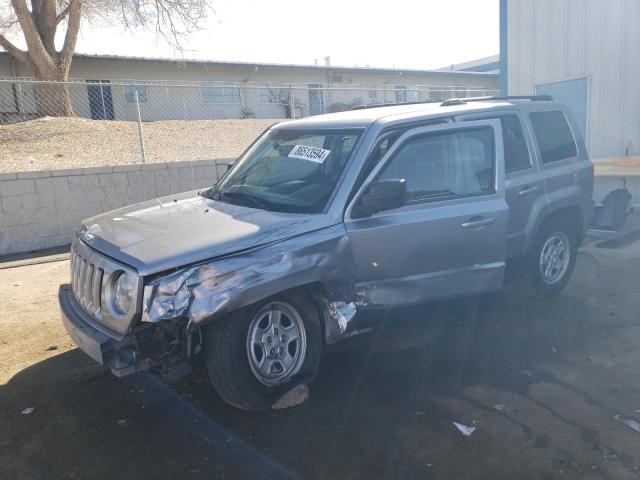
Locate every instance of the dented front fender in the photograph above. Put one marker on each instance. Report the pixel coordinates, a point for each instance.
(212, 289)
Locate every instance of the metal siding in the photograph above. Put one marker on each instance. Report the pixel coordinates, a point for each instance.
(504, 49)
(630, 115)
(556, 40)
(576, 28)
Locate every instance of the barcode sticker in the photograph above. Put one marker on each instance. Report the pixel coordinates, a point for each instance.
(313, 154)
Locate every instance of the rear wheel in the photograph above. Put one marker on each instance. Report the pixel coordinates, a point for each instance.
(257, 354)
(553, 257)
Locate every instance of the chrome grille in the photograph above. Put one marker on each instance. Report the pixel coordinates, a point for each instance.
(92, 278)
(86, 282)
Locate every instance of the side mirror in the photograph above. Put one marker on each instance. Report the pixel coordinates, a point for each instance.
(382, 195)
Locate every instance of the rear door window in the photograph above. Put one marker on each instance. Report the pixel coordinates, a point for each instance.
(554, 136)
(516, 152)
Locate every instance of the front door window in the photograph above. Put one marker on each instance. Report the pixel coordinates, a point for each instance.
(446, 165)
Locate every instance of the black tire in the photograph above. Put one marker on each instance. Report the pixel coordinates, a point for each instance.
(558, 227)
(227, 358)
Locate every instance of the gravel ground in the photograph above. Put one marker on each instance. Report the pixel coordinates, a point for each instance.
(58, 143)
(541, 381)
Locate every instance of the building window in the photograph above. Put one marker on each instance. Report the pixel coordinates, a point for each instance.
(401, 93)
(222, 94)
(265, 94)
(435, 93)
(130, 92)
(373, 95)
(554, 136)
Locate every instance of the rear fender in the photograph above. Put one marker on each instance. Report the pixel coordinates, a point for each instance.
(571, 212)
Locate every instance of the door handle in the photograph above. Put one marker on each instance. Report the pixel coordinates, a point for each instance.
(527, 191)
(478, 222)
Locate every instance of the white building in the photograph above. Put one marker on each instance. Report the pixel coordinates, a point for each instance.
(585, 53)
(485, 64)
(104, 87)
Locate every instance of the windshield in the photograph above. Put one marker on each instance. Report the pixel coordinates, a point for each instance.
(290, 170)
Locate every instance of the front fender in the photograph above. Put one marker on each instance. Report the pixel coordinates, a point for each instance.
(210, 290)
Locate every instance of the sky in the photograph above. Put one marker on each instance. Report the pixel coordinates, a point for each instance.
(399, 33)
(420, 34)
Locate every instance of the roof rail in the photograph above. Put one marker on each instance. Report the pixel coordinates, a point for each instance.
(460, 101)
(379, 105)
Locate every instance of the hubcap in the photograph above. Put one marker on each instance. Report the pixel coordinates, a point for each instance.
(276, 343)
(554, 258)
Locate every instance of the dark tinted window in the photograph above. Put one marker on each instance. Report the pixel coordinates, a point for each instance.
(554, 136)
(516, 153)
(440, 165)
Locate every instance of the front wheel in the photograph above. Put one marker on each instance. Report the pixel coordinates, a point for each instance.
(553, 257)
(257, 354)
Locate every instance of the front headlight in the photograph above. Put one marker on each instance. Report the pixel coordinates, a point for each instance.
(123, 293)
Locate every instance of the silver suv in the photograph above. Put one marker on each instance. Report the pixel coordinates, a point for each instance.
(321, 219)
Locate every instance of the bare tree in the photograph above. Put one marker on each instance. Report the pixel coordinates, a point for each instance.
(39, 20)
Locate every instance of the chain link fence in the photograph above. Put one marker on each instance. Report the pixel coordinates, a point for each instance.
(146, 106)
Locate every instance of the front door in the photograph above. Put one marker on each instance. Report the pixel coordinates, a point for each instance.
(448, 239)
(316, 102)
(100, 100)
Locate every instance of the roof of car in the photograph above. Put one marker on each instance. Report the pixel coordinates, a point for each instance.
(363, 117)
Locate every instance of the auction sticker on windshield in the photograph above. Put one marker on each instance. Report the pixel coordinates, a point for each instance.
(313, 154)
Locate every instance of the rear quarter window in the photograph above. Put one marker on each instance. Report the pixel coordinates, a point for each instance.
(554, 136)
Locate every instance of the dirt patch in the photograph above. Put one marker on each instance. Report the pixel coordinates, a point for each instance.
(29, 322)
(59, 143)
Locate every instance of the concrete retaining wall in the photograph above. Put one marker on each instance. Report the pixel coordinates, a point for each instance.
(42, 209)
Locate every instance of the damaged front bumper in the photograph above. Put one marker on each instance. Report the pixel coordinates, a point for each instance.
(106, 348)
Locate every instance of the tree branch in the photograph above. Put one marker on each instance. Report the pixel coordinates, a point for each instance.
(37, 52)
(73, 27)
(61, 16)
(16, 53)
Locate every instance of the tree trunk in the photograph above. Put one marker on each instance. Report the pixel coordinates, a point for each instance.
(50, 67)
(53, 99)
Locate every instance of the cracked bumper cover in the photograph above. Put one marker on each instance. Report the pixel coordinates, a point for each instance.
(110, 351)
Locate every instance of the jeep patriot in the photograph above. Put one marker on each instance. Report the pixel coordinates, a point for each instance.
(321, 219)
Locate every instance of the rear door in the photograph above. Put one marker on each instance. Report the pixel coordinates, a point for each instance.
(448, 239)
(524, 185)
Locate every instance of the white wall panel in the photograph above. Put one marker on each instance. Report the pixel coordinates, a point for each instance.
(554, 40)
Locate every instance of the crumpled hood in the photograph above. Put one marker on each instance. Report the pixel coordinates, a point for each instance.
(178, 230)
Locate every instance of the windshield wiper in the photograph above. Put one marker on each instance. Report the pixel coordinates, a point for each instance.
(250, 199)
